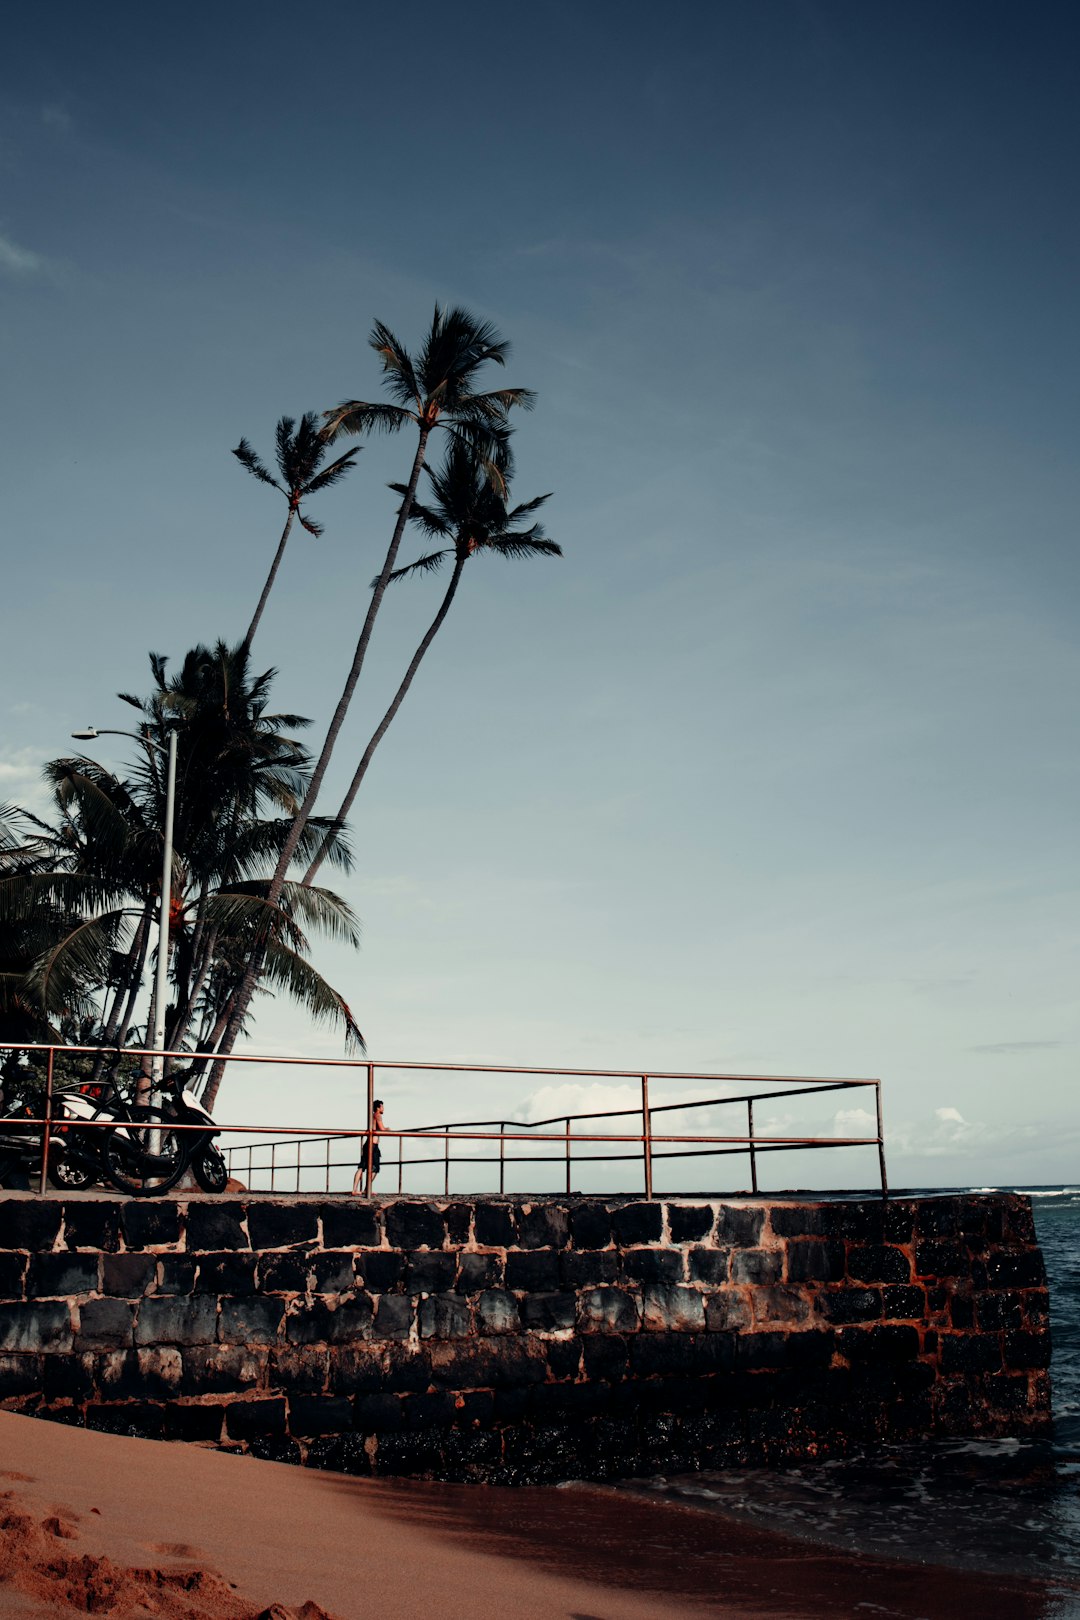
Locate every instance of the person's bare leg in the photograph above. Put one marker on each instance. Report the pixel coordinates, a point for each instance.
(357, 1179)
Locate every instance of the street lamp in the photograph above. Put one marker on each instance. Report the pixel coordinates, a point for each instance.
(157, 1070)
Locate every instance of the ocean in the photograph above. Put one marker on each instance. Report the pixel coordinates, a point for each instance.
(1005, 1506)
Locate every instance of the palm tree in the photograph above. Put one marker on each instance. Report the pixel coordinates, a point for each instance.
(437, 389)
(78, 897)
(299, 452)
(472, 514)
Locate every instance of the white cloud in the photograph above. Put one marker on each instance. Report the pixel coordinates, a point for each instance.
(19, 261)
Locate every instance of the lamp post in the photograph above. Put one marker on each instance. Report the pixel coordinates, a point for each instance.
(157, 1070)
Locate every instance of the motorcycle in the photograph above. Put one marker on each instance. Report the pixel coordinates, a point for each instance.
(96, 1135)
(201, 1155)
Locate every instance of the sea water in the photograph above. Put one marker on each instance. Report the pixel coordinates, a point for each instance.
(994, 1505)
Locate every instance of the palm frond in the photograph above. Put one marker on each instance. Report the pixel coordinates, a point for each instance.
(287, 971)
(246, 456)
(359, 416)
(309, 524)
(334, 473)
(423, 565)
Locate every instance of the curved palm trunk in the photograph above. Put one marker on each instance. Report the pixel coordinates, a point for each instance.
(125, 992)
(381, 729)
(251, 974)
(271, 576)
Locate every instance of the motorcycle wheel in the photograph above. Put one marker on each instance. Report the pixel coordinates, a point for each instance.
(132, 1142)
(72, 1175)
(210, 1170)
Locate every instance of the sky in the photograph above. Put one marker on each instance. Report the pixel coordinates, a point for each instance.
(776, 770)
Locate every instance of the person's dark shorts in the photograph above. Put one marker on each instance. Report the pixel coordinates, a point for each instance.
(376, 1158)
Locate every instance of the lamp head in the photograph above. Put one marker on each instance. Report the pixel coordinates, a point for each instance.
(85, 736)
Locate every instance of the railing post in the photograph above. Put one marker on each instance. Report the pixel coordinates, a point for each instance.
(502, 1156)
(646, 1122)
(273, 1166)
(327, 1164)
(750, 1133)
(47, 1127)
(370, 1150)
(568, 1157)
(881, 1142)
(446, 1163)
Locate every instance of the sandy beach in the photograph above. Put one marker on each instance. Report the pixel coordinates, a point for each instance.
(96, 1523)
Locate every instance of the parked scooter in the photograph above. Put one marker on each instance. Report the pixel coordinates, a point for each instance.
(206, 1162)
(129, 1146)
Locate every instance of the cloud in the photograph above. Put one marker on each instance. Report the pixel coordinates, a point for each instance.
(19, 261)
(1003, 1048)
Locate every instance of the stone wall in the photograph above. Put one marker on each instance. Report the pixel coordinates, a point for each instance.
(497, 1339)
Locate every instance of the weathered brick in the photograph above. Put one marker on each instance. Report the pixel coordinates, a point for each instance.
(28, 1223)
(709, 1265)
(886, 1341)
(761, 1266)
(653, 1265)
(250, 1320)
(739, 1225)
(68, 1377)
(378, 1414)
(21, 1375)
(287, 1272)
(430, 1271)
(815, 1261)
(246, 1420)
(139, 1374)
(215, 1226)
(878, 1263)
(128, 1276)
(176, 1273)
(605, 1354)
(780, 1306)
(726, 1311)
(970, 1352)
(842, 1305)
(479, 1271)
(54, 1274)
(497, 1312)
(689, 1223)
(357, 1368)
(332, 1273)
(350, 1226)
(394, 1316)
(673, 1308)
(145, 1419)
(607, 1310)
(91, 1224)
(193, 1421)
(379, 1270)
(178, 1319)
(414, 1226)
(1024, 1270)
(13, 1275)
(535, 1270)
(590, 1226)
(563, 1357)
(494, 1225)
(105, 1322)
(149, 1225)
(549, 1312)
(941, 1260)
(301, 1371)
(638, 1223)
(230, 1273)
(282, 1226)
(1000, 1310)
(543, 1226)
(319, 1321)
(319, 1414)
(903, 1302)
(1027, 1349)
(459, 1218)
(583, 1268)
(444, 1316)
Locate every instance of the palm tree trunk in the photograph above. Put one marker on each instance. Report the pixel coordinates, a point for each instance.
(243, 997)
(381, 729)
(268, 587)
(126, 989)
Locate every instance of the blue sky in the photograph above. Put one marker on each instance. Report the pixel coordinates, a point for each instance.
(777, 770)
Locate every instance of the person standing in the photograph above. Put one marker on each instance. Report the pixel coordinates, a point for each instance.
(377, 1127)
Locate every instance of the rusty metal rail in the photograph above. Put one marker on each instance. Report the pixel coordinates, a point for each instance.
(285, 1161)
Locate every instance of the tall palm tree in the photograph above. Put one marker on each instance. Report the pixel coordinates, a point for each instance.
(299, 451)
(469, 512)
(437, 389)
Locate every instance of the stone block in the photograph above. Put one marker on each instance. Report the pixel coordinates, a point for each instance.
(533, 1271)
(108, 1324)
(1027, 1349)
(681, 1310)
(444, 1316)
(332, 1273)
(653, 1265)
(438, 1409)
(68, 1378)
(149, 1225)
(351, 1225)
(477, 1271)
(727, 1311)
(408, 1367)
(846, 1305)
(709, 1265)
(230, 1273)
(605, 1355)
(286, 1272)
(885, 1341)
(357, 1368)
(143, 1419)
(344, 1453)
(193, 1421)
(175, 1273)
(689, 1223)
(780, 1306)
(128, 1276)
(459, 1218)
(394, 1316)
(430, 1271)
(487, 1363)
(587, 1268)
(27, 1223)
(497, 1312)
(941, 1259)
(938, 1218)
(215, 1226)
(319, 1321)
(816, 1261)
(754, 1351)
(563, 1357)
(608, 1310)
(760, 1266)
(970, 1353)
(91, 1223)
(248, 1420)
(590, 1226)
(379, 1414)
(637, 1223)
(906, 1303)
(319, 1414)
(878, 1263)
(179, 1319)
(282, 1226)
(13, 1275)
(962, 1312)
(549, 1312)
(543, 1226)
(740, 1225)
(1022, 1270)
(21, 1375)
(414, 1226)
(123, 1375)
(62, 1274)
(299, 1371)
(379, 1270)
(1000, 1310)
(494, 1225)
(250, 1320)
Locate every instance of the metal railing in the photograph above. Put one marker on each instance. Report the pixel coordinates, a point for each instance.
(646, 1145)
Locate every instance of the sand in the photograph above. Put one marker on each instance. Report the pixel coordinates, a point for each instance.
(104, 1524)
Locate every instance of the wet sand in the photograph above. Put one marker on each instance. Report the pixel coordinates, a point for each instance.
(134, 1528)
